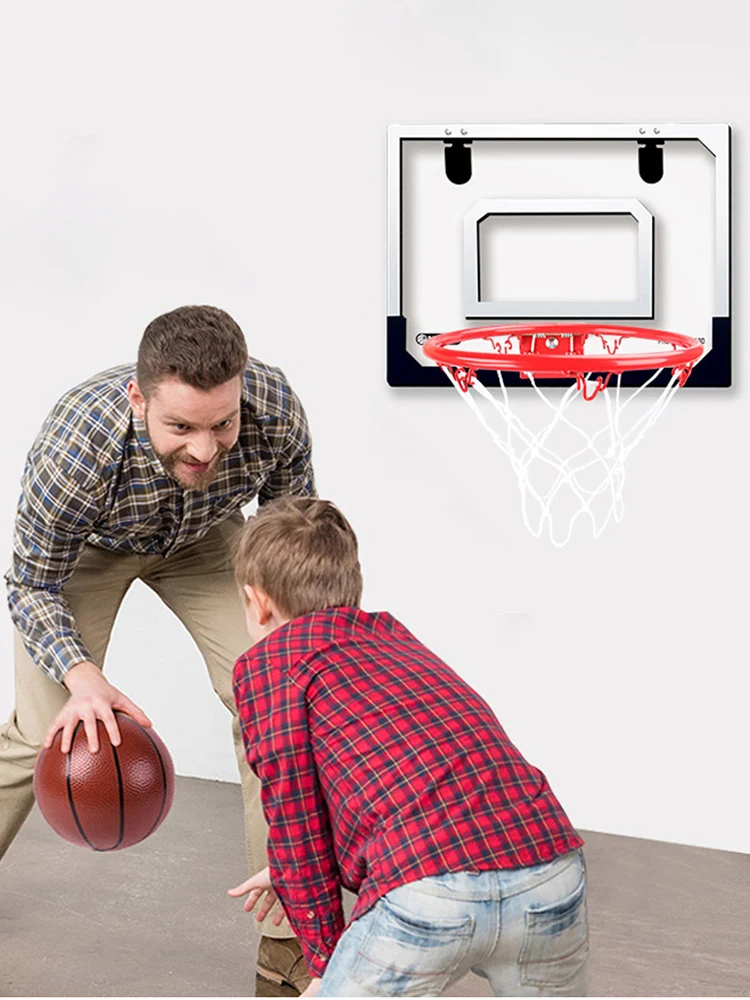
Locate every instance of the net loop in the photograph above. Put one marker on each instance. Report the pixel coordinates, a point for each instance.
(682, 373)
(611, 348)
(582, 384)
(464, 377)
(504, 346)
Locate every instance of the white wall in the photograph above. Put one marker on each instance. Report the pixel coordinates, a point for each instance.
(157, 154)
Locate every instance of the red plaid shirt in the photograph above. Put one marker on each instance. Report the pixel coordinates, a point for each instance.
(379, 766)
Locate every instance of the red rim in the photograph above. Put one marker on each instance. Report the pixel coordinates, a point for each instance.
(541, 360)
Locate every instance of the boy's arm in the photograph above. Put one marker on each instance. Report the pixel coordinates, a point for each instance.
(301, 858)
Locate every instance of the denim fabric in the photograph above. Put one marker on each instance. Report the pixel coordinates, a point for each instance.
(525, 930)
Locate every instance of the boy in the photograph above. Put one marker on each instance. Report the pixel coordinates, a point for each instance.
(382, 771)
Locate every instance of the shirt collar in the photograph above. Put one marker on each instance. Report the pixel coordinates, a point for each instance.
(319, 628)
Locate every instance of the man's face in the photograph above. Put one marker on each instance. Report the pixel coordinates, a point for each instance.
(190, 429)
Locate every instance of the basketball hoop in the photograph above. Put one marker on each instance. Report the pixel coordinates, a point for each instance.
(590, 480)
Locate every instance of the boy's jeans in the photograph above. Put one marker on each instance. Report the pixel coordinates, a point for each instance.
(525, 930)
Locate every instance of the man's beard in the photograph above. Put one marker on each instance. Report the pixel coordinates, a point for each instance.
(197, 480)
(173, 465)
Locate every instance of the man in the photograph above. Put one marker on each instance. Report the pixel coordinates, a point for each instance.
(141, 473)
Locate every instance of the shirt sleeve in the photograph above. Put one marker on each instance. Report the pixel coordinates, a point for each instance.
(293, 474)
(55, 515)
(301, 857)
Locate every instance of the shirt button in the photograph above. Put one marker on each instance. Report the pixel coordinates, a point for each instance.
(310, 914)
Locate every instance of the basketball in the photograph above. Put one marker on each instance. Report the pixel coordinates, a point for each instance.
(107, 800)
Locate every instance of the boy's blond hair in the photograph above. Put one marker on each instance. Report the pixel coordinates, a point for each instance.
(303, 553)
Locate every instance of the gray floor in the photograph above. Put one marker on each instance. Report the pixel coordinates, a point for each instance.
(155, 920)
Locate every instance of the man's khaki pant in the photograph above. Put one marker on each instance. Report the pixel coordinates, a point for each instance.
(197, 584)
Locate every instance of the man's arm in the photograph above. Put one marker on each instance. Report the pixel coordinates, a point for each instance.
(56, 513)
(293, 474)
(302, 863)
(55, 516)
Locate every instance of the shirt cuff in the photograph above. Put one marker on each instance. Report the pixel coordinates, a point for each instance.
(318, 939)
(59, 655)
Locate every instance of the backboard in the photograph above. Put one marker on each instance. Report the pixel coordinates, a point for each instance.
(616, 223)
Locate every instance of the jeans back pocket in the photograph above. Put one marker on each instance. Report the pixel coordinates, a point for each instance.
(555, 949)
(408, 954)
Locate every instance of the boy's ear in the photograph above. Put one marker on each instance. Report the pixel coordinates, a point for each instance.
(260, 602)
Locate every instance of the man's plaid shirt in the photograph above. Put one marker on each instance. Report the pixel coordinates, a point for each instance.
(92, 477)
(379, 766)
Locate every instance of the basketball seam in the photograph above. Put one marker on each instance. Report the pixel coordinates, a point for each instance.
(101, 850)
(163, 776)
(69, 787)
(121, 798)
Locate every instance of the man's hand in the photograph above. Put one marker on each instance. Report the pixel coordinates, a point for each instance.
(257, 886)
(91, 698)
(312, 989)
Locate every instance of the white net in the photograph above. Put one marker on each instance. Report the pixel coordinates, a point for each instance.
(571, 466)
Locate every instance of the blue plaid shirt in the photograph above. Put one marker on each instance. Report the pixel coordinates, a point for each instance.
(92, 477)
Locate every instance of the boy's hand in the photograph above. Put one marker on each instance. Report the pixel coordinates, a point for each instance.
(257, 886)
(91, 698)
(312, 989)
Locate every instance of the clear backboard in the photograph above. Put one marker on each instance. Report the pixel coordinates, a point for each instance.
(494, 224)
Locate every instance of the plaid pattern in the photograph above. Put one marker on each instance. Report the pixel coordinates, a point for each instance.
(92, 477)
(379, 766)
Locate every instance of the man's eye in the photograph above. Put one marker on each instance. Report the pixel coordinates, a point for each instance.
(226, 424)
(179, 427)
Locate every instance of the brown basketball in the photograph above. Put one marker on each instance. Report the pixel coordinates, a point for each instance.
(107, 800)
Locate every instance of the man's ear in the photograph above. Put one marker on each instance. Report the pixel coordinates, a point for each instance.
(137, 402)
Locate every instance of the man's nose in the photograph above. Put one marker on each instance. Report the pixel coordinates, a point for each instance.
(202, 447)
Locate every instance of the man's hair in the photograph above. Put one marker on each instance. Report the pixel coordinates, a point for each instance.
(200, 345)
(303, 553)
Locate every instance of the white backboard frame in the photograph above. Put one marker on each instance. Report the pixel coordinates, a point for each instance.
(406, 363)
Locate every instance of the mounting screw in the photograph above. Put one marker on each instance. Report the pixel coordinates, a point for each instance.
(464, 132)
(551, 343)
(657, 131)
(448, 132)
(642, 131)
